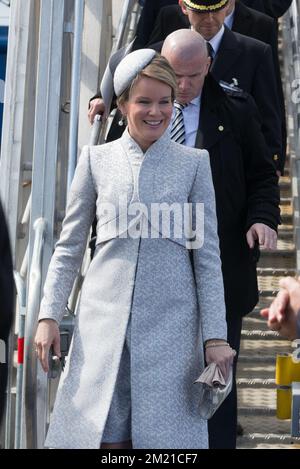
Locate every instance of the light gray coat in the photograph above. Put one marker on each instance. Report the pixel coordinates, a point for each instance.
(174, 297)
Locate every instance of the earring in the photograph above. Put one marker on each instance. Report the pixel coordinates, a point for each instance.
(121, 122)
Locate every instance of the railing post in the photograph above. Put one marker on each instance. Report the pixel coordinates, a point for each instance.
(44, 175)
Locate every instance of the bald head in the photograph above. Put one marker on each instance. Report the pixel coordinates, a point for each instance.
(187, 53)
(185, 45)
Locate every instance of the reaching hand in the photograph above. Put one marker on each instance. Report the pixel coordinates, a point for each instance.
(283, 313)
(96, 107)
(266, 237)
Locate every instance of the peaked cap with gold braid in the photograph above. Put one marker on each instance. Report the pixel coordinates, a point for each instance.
(205, 6)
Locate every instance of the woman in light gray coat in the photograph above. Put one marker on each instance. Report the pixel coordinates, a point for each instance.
(152, 304)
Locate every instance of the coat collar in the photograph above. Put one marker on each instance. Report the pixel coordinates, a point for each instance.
(154, 151)
(243, 19)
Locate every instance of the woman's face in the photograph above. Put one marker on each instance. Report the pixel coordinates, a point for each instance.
(148, 111)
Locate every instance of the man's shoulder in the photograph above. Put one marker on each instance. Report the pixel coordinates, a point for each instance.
(171, 10)
(246, 42)
(257, 16)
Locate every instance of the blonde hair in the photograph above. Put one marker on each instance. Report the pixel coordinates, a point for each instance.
(158, 69)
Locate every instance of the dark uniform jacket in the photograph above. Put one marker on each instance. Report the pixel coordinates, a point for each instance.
(274, 8)
(249, 61)
(147, 20)
(6, 300)
(245, 183)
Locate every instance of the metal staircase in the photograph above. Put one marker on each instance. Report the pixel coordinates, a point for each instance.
(27, 170)
(259, 346)
(256, 370)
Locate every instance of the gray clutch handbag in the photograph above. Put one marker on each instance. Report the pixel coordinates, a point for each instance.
(213, 390)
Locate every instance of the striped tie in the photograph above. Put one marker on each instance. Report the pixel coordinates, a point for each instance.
(177, 128)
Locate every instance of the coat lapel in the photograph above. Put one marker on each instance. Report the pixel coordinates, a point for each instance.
(227, 55)
(212, 127)
(243, 20)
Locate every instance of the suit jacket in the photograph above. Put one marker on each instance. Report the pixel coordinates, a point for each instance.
(147, 20)
(246, 21)
(6, 300)
(260, 26)
(245, 183)
(274, 8)
(249, 61)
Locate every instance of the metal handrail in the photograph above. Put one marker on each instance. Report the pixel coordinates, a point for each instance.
(96, 129)
(21, 296)
(35, 279)
(75, 90)
(126, 12)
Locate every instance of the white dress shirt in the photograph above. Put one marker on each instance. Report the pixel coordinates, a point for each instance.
(191, 115)
(216, 40)
(230, 19)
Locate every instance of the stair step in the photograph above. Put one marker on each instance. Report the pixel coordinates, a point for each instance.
(267, 425)
(283, 259)
(287, 218)
(276, 272)
(285, 227)
(255, 411)
(259, 334)
(255, 323)
(268, 441)
(267, 283)
(273, 437)
(257, 400)
(265, 359)
(255, 370)
(256, 383)
(286, 201)
(265, 347)
(286, 235)
(264, 302)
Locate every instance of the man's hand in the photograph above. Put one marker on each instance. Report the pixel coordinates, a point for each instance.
(283, 313)
(96, 107)
(266, 237)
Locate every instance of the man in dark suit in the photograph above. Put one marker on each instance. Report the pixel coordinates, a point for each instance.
(249, 22)
(274, 8)
(244, 59)
(6, 305)
(245, 21)
(246, 188)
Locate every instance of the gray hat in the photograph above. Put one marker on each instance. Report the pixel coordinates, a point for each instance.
(130, 67)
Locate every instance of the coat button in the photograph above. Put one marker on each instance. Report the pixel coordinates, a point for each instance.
(221, 128)
(275, 157)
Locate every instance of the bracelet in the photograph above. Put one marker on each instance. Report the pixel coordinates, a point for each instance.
(225, 344)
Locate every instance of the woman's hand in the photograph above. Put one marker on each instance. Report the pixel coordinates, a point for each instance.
(221, 354)
(47, 334)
